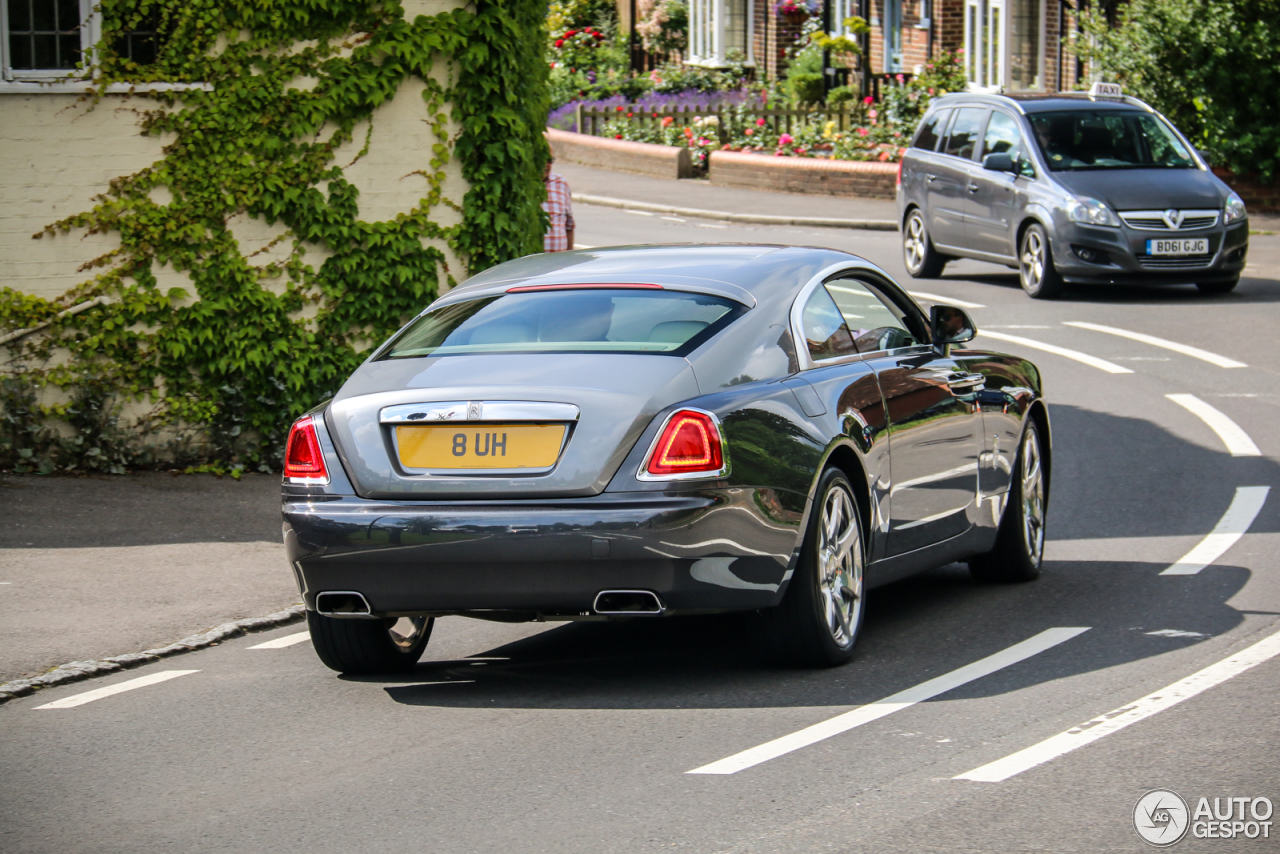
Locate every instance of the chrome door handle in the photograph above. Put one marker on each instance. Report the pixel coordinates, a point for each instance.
(931, 178)
(973, 188)
(966, 380)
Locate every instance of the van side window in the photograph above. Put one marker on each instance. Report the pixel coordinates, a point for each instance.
(1003, 137)
(931, 130)
(965, 132)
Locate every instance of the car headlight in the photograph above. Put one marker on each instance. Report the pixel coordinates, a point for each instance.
(1234, 209)
(1091, 212)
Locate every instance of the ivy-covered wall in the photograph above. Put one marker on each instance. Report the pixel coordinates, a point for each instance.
(336, 165)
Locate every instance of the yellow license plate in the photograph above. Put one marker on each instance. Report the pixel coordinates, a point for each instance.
(480, 446)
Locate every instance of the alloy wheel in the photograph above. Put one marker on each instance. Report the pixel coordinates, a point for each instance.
(1032, 260)
(913, 243)
(840, 562)
(405, 631)
(1032, 497)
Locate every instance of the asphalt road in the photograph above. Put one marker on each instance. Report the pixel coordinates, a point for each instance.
(580, 737)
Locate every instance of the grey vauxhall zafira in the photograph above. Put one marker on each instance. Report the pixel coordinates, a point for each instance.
(1071, 188)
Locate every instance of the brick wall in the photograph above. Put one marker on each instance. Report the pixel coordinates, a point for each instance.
(803, 175)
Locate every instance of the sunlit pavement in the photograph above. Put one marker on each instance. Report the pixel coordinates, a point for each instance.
(1162, 566)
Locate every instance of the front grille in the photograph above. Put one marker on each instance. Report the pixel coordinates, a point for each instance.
(1175, 263)
(1154, 220)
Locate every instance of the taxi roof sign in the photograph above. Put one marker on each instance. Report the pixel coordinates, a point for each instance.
(1106, 90)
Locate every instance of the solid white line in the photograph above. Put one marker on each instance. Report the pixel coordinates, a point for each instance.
(1237, 441)
(281, 643)
(1085, 358)
(1118, 719)
(98, 693)
(904, 699)
(639, 213)
(1184, 349)
(673, 219)
(1244, 508)
(947, 300)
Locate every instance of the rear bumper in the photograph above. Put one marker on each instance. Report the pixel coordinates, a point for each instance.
(710, 550)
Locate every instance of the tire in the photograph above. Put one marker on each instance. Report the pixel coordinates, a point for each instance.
(1019, 549)
(1040, 279)
(921, 259)
(1218, 287)
(818, 622)
(369, 646)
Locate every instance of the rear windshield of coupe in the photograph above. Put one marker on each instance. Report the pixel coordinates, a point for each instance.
(569, 321)
(1104, 139)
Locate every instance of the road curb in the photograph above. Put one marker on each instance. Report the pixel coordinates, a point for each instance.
(77, 670)
(725, 216)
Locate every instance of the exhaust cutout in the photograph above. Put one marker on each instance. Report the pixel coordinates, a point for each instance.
(629, 602)
(343, 603)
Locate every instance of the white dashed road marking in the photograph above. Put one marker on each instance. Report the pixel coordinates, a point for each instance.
(1184, 349)
(1083, 358)
(1118, 719)
(902, 700)
(1237, 441)
(98, 693)
(281, 643)
(947, 300)
(1244, 508)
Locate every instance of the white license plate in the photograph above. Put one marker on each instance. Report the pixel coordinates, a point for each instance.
(1184, 246)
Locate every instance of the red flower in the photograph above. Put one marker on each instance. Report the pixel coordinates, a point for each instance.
(559, 42)
(631, 115)
(599, 36)
(571, 33)
(868, 100)
(617, 136)
(619, 109)
(655, 115)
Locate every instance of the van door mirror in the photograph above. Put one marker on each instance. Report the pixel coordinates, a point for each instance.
(1204, 155)
(999, 162)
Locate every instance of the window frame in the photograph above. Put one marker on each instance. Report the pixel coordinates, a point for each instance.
(90, 33)
(881, 286)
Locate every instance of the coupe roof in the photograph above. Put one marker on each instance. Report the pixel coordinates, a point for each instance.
(747, 273)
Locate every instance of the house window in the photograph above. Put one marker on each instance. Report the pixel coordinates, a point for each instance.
(43, 39)
(718, 28)
(1004, 44)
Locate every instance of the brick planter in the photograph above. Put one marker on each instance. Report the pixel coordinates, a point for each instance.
(620, 155)
(804, 175)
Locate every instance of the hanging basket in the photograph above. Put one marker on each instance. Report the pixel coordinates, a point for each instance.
(795, 18)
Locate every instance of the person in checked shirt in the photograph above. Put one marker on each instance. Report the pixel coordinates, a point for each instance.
(559, 236)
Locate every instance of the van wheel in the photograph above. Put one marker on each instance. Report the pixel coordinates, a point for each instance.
(369, 646)
(921, 259)
(1040, 278)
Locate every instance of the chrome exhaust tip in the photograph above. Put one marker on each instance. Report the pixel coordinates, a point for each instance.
(627, 602)
(343, 603)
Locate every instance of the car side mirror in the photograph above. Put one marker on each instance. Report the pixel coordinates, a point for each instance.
(950, 325)
(1000, 162)
(1208, 161)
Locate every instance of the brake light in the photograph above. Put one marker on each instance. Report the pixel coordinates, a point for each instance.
(302, 455)
(689, 444)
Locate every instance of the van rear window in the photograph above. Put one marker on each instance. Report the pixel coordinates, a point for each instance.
(600, 320)
(931, 130)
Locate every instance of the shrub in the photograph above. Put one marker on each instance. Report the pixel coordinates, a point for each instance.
(1211, 66)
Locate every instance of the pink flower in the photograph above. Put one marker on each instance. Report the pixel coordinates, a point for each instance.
(930, 90)
(873, 114)
(901, 79)
(760, 122)
(702, 140)
(863, 131)
(868, 100)
(786, 139)
(748, 131)
(668, 121)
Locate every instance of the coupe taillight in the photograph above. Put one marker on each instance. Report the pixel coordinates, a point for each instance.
(302, 455)
(689, 444)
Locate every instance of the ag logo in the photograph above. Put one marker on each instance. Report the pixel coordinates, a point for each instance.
(1161, 817)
